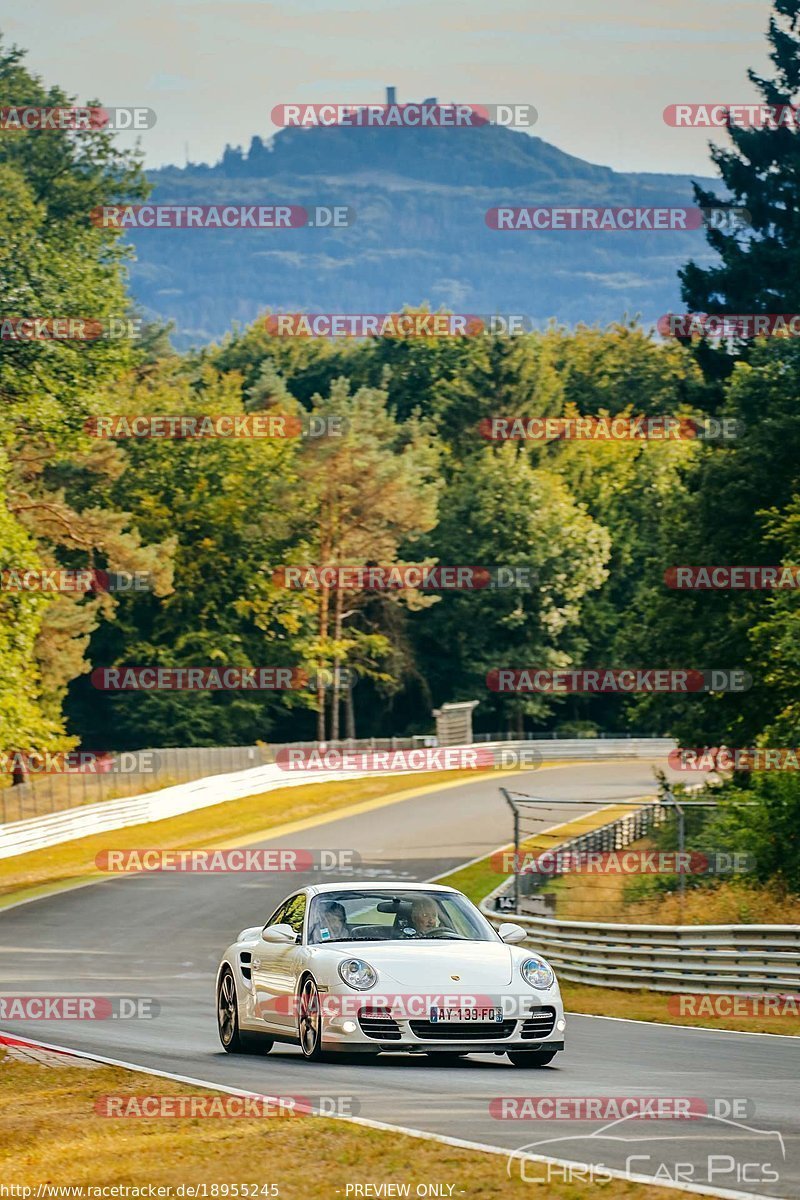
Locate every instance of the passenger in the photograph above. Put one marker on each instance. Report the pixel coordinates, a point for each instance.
(334, 918)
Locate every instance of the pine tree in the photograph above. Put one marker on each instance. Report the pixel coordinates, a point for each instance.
(760, 269)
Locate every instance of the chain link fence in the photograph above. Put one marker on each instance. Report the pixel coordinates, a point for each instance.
(115, 776)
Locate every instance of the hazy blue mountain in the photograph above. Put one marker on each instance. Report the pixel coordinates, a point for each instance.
(420, 197)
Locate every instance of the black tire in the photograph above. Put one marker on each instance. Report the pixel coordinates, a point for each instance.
(309, 1021)
(230, 1035)
(445, 1058)
(531, 1058)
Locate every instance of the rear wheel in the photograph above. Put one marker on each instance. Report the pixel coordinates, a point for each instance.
(531, 1058)
(231, 1036)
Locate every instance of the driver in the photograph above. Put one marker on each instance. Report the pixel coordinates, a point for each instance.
(424, 914)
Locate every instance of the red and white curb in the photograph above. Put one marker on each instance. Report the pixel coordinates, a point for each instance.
(21, 1050)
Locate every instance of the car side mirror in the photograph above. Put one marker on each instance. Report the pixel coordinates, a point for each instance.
(509, 932)
(279, 933)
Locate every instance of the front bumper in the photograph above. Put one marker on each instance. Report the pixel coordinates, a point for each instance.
(530, 1023)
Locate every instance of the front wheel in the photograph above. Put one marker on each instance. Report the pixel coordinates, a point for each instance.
(528, 1058)
(309, 1021)
(231, 1036)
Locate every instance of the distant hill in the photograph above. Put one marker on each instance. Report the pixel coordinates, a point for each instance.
(420, 197)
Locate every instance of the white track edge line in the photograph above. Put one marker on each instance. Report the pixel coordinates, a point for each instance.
(423, 1135)
(669, 1025)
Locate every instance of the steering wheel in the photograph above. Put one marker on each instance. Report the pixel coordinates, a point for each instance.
(443, 932)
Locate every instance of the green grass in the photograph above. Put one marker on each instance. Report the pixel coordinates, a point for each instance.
(50, 1133)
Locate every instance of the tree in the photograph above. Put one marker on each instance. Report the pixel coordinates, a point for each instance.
(55, 263)
(501, 510)
(217, 508)
(360, 496)
(760, 270)
(734, 505)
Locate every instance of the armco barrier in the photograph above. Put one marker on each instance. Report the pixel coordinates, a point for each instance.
(18, 837)
(662, 958)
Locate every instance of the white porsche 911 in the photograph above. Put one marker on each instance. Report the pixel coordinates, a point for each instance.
(365, 968)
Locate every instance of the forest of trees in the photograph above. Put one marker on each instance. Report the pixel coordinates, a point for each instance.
(412, 479)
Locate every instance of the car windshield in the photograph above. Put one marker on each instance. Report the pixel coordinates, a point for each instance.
(380, 916)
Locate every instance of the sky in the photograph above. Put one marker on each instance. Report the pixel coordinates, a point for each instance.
(599, 72)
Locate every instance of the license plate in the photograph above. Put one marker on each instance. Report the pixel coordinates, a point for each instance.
(443, 1015)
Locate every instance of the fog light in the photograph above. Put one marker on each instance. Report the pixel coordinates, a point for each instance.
(561, 1024)
(349, 1026)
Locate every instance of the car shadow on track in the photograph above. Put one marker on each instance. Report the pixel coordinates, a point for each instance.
(291, 1056)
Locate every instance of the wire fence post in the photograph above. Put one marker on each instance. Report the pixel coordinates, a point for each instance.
(670, 796)
(507, 796)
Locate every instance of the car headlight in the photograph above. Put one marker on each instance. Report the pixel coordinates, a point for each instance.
(358, 974)
(536, 972)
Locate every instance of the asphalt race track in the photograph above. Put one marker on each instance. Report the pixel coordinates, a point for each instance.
(161, 935)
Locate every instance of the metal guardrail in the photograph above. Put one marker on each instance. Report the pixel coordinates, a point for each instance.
(18, 837)
(662, 958)
(124, 775)
(116, 775)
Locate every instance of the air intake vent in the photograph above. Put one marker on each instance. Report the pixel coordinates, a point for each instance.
(379, 1023)
(462, 1031)
(539, 1022)
(245, 960)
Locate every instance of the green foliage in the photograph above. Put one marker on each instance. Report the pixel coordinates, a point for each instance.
(759, 271)
(55, 263)
(212, 521)
(767, 828)
(500, 509)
